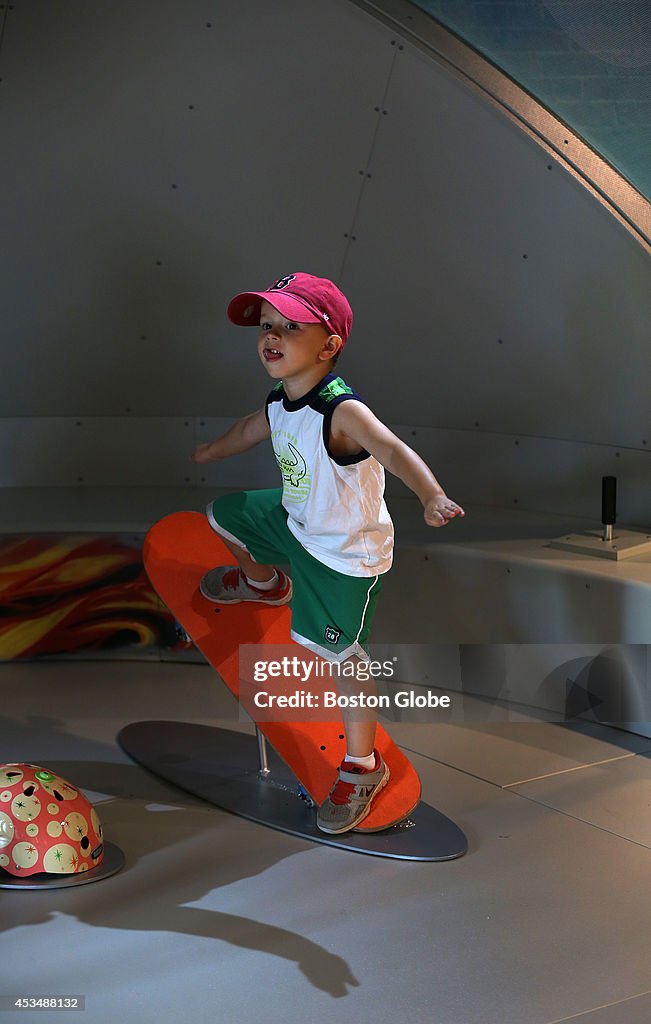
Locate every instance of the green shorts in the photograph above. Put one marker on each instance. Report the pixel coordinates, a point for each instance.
(331, 613)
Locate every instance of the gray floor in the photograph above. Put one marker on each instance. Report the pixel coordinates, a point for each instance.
(213, 918)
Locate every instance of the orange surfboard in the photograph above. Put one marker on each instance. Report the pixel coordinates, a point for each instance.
(178, 551)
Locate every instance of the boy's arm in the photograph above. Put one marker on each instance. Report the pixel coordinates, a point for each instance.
(244, 434)
(356, 421)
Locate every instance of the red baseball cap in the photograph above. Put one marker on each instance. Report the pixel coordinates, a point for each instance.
(302, 298)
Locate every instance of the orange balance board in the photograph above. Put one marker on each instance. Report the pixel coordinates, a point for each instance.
(178, 551)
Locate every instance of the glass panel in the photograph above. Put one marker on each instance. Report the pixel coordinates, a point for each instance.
(588, 61)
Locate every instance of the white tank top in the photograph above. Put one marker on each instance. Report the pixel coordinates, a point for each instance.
(335, 504)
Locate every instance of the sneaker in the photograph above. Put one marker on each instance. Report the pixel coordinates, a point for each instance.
(349, 800)
(227, 585)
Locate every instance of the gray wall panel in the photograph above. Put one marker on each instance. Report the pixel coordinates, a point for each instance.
(97, 128)
(456, 325)
(523, 472)
(96, 451)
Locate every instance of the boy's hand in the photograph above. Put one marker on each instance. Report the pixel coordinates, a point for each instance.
(202, 453)
(438, 511)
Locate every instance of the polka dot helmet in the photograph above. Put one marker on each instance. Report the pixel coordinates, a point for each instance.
(46, 825)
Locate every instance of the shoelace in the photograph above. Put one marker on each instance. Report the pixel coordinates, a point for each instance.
(343, 791)
(231, 578)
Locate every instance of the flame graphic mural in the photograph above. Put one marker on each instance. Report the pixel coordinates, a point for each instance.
(70, 594)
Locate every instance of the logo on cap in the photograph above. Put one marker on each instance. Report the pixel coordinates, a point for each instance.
(282, 282)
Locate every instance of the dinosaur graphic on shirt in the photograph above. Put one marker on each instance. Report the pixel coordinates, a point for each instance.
(292, 466)
(296, 480)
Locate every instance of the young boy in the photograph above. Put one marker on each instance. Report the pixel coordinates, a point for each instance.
(329, 521)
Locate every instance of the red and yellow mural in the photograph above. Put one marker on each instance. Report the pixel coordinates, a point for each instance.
(74, 594)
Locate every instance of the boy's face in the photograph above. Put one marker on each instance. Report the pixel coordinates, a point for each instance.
(288, 349)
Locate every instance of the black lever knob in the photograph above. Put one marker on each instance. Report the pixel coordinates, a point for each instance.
(608, 500)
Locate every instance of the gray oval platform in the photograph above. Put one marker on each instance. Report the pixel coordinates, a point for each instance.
(221, 766)
(112, 862)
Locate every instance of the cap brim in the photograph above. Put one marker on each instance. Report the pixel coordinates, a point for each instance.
(244, 309)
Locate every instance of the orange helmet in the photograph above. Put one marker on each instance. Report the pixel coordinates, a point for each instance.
(46, 825)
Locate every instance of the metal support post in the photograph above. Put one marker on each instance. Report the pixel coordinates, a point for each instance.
(262, 751)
